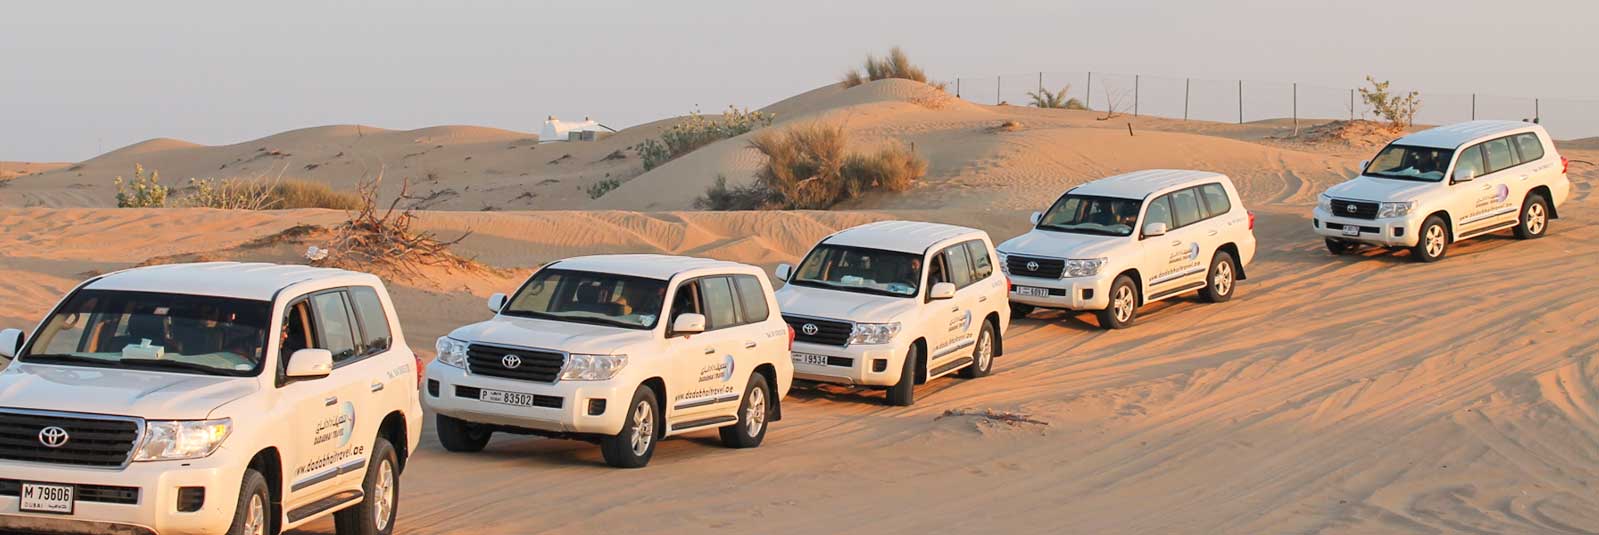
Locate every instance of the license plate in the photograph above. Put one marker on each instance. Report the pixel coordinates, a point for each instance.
(1029, 291)
(807, 358)
(42, 498)
(1351, 230)
(517, 399)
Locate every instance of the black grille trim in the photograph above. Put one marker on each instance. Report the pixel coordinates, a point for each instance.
(84, 493)
(105, 442)
(537, 365)
(1363, 229)
(842, 362)
(1048, 268)
(1362, 209)
(828, 332)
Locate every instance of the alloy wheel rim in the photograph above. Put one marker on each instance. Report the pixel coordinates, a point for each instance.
(643, 427)
(1435, 240)
(1124, 303)
(384, 505)
(1535, 218)
(755, 414)
(985, 350)
(1224, 278)
(255, 518)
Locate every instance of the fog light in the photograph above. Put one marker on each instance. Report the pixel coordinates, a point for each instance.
(596, 407)
(1088, 293)
(879, 365)
(190, 499)
(1315, 222)
(433, 387)
(1399, 231)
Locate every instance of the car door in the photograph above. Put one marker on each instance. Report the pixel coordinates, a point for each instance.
(391, 373)
(1534, 169)
(991, 291)
(959, 330)
(1466, 199)
(704, 364)
(1496, 199)
(322, 424)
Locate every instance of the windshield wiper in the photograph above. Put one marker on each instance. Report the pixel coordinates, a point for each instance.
(178, 365)
(575, 319)
(848, 288)
(61, 358)
(1080, 230)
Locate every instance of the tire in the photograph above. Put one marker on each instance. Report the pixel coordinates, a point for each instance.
(1123, 308)
(754, 412)
(1534, 218)
(982, 354)
(252, 515)
(1222, 278)
(460, 435)
(1018, 310)
(1433, 242)
(903, 393)
(376, 513)
(641, 430)
(1340, 247)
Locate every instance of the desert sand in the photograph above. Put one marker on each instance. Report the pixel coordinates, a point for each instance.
(1354, 394)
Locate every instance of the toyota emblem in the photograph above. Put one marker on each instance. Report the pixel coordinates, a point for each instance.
(511, 362)
(1032, 266)
(53, 437)
(1350, 208)
(809, 329)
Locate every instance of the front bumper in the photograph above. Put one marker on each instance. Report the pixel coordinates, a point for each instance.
(1075, 293)
(155, 510)
(863, 365)
(571, 417)
(1387, 232)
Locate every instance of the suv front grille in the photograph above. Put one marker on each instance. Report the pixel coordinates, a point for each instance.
(824, 332)
(1355, 209)
(86, 493)
(89, 441)
(1032, 266)
(529, 364)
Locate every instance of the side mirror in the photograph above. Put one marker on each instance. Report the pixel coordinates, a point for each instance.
(11, 342)
(497, 303)
(1465, 175)
(688, 324)
(784, 271)
(1154, 229)
(310, 364)
(942, 290)
(1364, 164)
(1036, 217)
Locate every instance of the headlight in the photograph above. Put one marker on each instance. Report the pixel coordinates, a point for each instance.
(1395, 209)
(184, 439)
(1004, 262)
(1324, 203)
(873, 333)
(580, 367)
(452, 352)
(1086, 267)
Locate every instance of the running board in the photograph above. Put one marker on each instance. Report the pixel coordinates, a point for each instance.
(950, 367)
(703, 422)
(1495, 228)
(1174, 291)
(312, 509)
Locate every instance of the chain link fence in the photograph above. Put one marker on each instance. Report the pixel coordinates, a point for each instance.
(1241, 101)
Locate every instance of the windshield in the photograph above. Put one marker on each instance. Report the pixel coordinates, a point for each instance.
(587, 297)
(1092, 215)
(155, 331)
(854, 269)
(1411, 163)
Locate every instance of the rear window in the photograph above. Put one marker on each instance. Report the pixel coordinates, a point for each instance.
(1531, 147)
(752, 298)
(374, 321)
(1500, 155)
(1216, 201)
(718, 296)
(982, 266)
(1185, 206)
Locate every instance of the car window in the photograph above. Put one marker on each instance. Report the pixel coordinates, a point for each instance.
(374, 321)
(333, 321)
(1185, 207)
(1159, 211)
(1500, 155)
(751, 298)
(960, 267)
(717, 293)
(297, 332)
(687, 300)
(1470, 160)
(982, 263)
(1531, 147)
(938, 271)
(1216, 201)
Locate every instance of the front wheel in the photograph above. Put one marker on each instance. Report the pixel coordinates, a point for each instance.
(1018, 310)
(635, 444)
(1534, 218)
(752, 415)
(1434, 241)
(1123, 308)
(460, 435)
(1340, 247)
(982, 355)
(375, 514)
(253, 513)
(903, 393)
(1221, 279)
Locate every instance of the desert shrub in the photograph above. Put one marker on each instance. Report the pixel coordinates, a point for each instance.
(1400, 112)
(895, 65)
(1045, 99)
(809, 167)
(599, 189)
(383, 240)
(144, 191)
(265, 194)
(698, 131)
(292, 194)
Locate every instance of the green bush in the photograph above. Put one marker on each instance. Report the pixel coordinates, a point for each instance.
(599, 189)
(698, 131)
(1045, 99)
(143, 192)
(808, 167)
(263, 194)
(895, 65)
(1400, 112)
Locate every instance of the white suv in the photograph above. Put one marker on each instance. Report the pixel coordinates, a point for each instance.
(1118, 243)
(621, 349)
(896, 304)
(1435, 187)
(209, 398)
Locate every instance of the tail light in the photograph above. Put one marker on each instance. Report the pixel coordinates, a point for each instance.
(418, 369)
(1565, 165)
(1251, 221)
(1007, 285)
(790, 337)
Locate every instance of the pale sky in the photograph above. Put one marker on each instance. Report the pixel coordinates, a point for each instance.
(80, 77)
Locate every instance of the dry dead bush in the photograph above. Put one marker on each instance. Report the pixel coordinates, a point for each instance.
(384, 240)
(895, 65)
(264, 194)
(809, 167)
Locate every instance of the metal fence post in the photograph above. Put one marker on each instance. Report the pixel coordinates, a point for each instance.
(957, 87)
(1088, 94)
(1186, 83)
(1537, 114)
(1296, 109)
(1351, 104)
(1473, 106)
(1135, 95)
(1040, 82)
(997, 90)
(1240, 102)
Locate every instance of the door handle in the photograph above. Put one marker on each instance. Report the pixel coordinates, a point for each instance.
(982, 299)
(1212, 233)
(330, 401)
(1176, 243)
(749, 345)
(710, 350)
(954, 309)
(377, 387)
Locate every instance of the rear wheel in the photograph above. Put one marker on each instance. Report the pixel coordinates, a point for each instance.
(1434, 241)
(1123, 308)
(903, 393)
(752, 415)
(982, 355)
(1340, 247)
(253, 514)
(375, 514)
(635, 444)
(1221, 279)
(460, 435)
(1534, 218)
